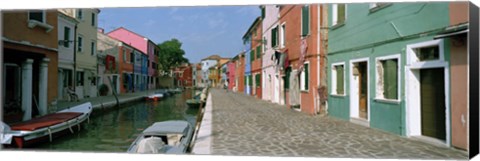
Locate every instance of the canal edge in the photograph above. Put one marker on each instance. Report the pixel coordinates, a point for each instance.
(203, 142)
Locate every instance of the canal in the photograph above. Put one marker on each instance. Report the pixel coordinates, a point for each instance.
(116, 130)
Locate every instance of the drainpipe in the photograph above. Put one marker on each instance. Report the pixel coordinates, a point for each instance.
(75, 59)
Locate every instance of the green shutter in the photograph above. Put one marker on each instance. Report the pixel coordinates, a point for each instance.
(245, 80)
(390, 73)
(250, 80)
(259, 51)
(263, 12)
(274, 36)
(66, 37)
(257, 80)
(286, 84)
(305, 20)
(252, 55)
(307, 79)
(341, 13)
(339, 79)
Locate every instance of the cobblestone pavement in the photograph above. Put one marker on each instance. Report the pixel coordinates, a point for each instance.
(243, 125)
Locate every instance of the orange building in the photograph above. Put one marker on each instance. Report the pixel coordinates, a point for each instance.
(239, 72)
(30, 43)
(301, 41)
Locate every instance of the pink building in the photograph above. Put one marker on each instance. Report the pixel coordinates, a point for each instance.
(231, 74)
(143, 44)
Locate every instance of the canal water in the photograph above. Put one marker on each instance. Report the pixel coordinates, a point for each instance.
(116, 130)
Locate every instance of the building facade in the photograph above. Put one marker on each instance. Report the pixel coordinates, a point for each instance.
(108, 64)
(271, 81)
(30, 55)
(207, 63)
(398, 77)
(66, 36)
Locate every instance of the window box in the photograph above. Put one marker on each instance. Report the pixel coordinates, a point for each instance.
(34, 23)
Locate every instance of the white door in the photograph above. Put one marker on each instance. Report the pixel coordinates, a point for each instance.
(276, 90)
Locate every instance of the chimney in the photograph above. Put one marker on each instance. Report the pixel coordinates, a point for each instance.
(101, 30)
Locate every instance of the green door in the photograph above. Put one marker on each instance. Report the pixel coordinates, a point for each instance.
(432, 99)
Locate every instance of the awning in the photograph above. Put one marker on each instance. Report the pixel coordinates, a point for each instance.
(440, 36)
(453, 31)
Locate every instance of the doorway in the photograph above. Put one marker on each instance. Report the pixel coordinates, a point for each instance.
(432, 103)
(359, 95)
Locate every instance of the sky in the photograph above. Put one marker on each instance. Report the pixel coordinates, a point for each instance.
(203, 31)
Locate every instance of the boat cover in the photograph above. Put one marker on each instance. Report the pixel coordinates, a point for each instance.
(45, 121)
(167, 127)
(151, 145)
(5, 138)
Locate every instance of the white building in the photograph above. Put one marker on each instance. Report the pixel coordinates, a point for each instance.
(66, 36)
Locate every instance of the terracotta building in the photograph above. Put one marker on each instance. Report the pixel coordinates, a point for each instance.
(30, 43)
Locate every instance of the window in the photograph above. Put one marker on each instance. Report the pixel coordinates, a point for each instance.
(263, 12)
(132, 57)
(274, 36)
(93, 48)
(254, 32)
(304, 77)
(124, 55)
(305, 20)
(427, 53)
(339, 14)
(259, 51)
(250, 80)
(66, 37)
(93, 19)
(80, 14)
(387, 77)
(252, 55)
(283, 31)
(286, 78)
(264, 43)
(257, 80)
(80, 43)
(37, 15)
(338, 79)
(80, 78)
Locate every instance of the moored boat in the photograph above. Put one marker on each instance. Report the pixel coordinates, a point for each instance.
(44, 127)
(171, 137)
(154, 97)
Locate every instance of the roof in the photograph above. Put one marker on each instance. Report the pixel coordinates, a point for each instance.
(128, 31)
(167, 127)
(212, 57)
(257, 20)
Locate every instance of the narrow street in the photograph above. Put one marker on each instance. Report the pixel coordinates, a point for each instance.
(243, 125)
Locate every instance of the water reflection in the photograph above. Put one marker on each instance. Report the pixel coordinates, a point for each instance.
(116, 130)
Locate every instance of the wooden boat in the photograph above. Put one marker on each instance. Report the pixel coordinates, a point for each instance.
(193, 103)
(154, 97)
(171, 137)
(45, 127)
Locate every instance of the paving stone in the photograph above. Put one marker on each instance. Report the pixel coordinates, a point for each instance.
(244, 125)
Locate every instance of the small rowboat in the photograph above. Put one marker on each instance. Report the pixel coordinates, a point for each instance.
(44, 127)
(154, 97)
(170, 137)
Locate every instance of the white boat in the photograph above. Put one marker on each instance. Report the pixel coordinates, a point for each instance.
(170, 137)
(154, 97)
(44, 127)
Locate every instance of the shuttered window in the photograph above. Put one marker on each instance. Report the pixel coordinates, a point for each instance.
(257, 80)
(305, 20)
(245, 80)
(286, 85)
(252, 55)
(341, 13)
(390, 77)
(306, 78)
(250, 80)
(274, 36)
(259, 51)
(66, 37)
(339, 70)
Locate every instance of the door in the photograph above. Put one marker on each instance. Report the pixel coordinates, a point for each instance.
(363, 90)
(432, 102)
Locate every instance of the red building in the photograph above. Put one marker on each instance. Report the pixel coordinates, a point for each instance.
(183, 75)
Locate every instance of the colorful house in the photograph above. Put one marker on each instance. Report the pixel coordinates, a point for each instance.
(85, 57)
(230, 74)
(30, 63)
(183, 75)
(271, 81)
(66, 36)
(207, 63)
(108, 64)
(299, 38)
(250, 38)
(390, 69)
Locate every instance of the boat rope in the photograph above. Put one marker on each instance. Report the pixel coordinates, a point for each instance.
(69, 127)
(78, 124)
(50, 134)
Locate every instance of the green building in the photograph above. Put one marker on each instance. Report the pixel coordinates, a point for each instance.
(391, 66)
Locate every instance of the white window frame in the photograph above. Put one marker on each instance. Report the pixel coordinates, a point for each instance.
(80, 43)
(44, 16)
(78, 14)
(43, 23)
(282, 35)
(302, 77)
(335, 14)
(379, 85)
(334, 79)
(93, 48)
